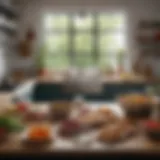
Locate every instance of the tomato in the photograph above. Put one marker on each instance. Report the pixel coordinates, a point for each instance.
(22, 107)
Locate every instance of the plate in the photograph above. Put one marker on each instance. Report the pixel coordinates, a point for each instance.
(35, 143)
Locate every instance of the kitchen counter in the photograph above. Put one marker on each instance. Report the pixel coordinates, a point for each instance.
(105, 79)
(138, 145)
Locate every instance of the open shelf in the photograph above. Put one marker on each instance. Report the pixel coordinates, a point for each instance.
(8, 11)
(7, 30)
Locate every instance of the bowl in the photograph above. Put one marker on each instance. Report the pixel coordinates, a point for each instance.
(69, 128)
(38, 136)
(35, 143)
(138, 113)
(151, 129)
(60, 110)
(136, 106)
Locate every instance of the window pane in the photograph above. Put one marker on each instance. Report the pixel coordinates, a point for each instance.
(56, 21)
(83, 61)
(83, 21)
(83, 43)
(111, 21)
(107, 62)
(112, 42)
(57, 43)
(57, 62)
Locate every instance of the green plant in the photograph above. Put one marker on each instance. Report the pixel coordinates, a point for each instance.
(40, 56)
(120, 56)
(11, 124)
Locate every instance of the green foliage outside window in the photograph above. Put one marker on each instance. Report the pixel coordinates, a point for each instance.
(83, 40)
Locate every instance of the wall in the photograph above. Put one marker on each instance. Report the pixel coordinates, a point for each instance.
(4, 40)
(31, 12)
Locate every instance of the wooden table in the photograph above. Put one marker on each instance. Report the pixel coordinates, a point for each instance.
(138, 145)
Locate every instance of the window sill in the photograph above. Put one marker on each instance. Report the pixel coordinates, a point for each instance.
(60, 79)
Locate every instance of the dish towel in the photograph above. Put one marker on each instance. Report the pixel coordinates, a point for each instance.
(24, 91)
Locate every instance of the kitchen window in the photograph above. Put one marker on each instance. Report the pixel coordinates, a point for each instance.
(84, 40)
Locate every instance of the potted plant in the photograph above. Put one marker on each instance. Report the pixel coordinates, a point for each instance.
(9, 124)
(40, 57)
(120, 58)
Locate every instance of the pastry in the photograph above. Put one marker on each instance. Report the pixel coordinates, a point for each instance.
(108, 114)
(109, 134)
(104, 110)
(116, 132)
(98, 118)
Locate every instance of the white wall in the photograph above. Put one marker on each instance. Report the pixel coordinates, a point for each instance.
(3, 39)
(31, 12)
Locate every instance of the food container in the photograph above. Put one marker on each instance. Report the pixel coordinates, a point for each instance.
(137, 106)
(60, 110)
(38, 135)
(35, 116)
(69, 128)
(37, 112)
(151, 129)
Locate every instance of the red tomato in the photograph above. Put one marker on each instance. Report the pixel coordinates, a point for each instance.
(22, 106)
